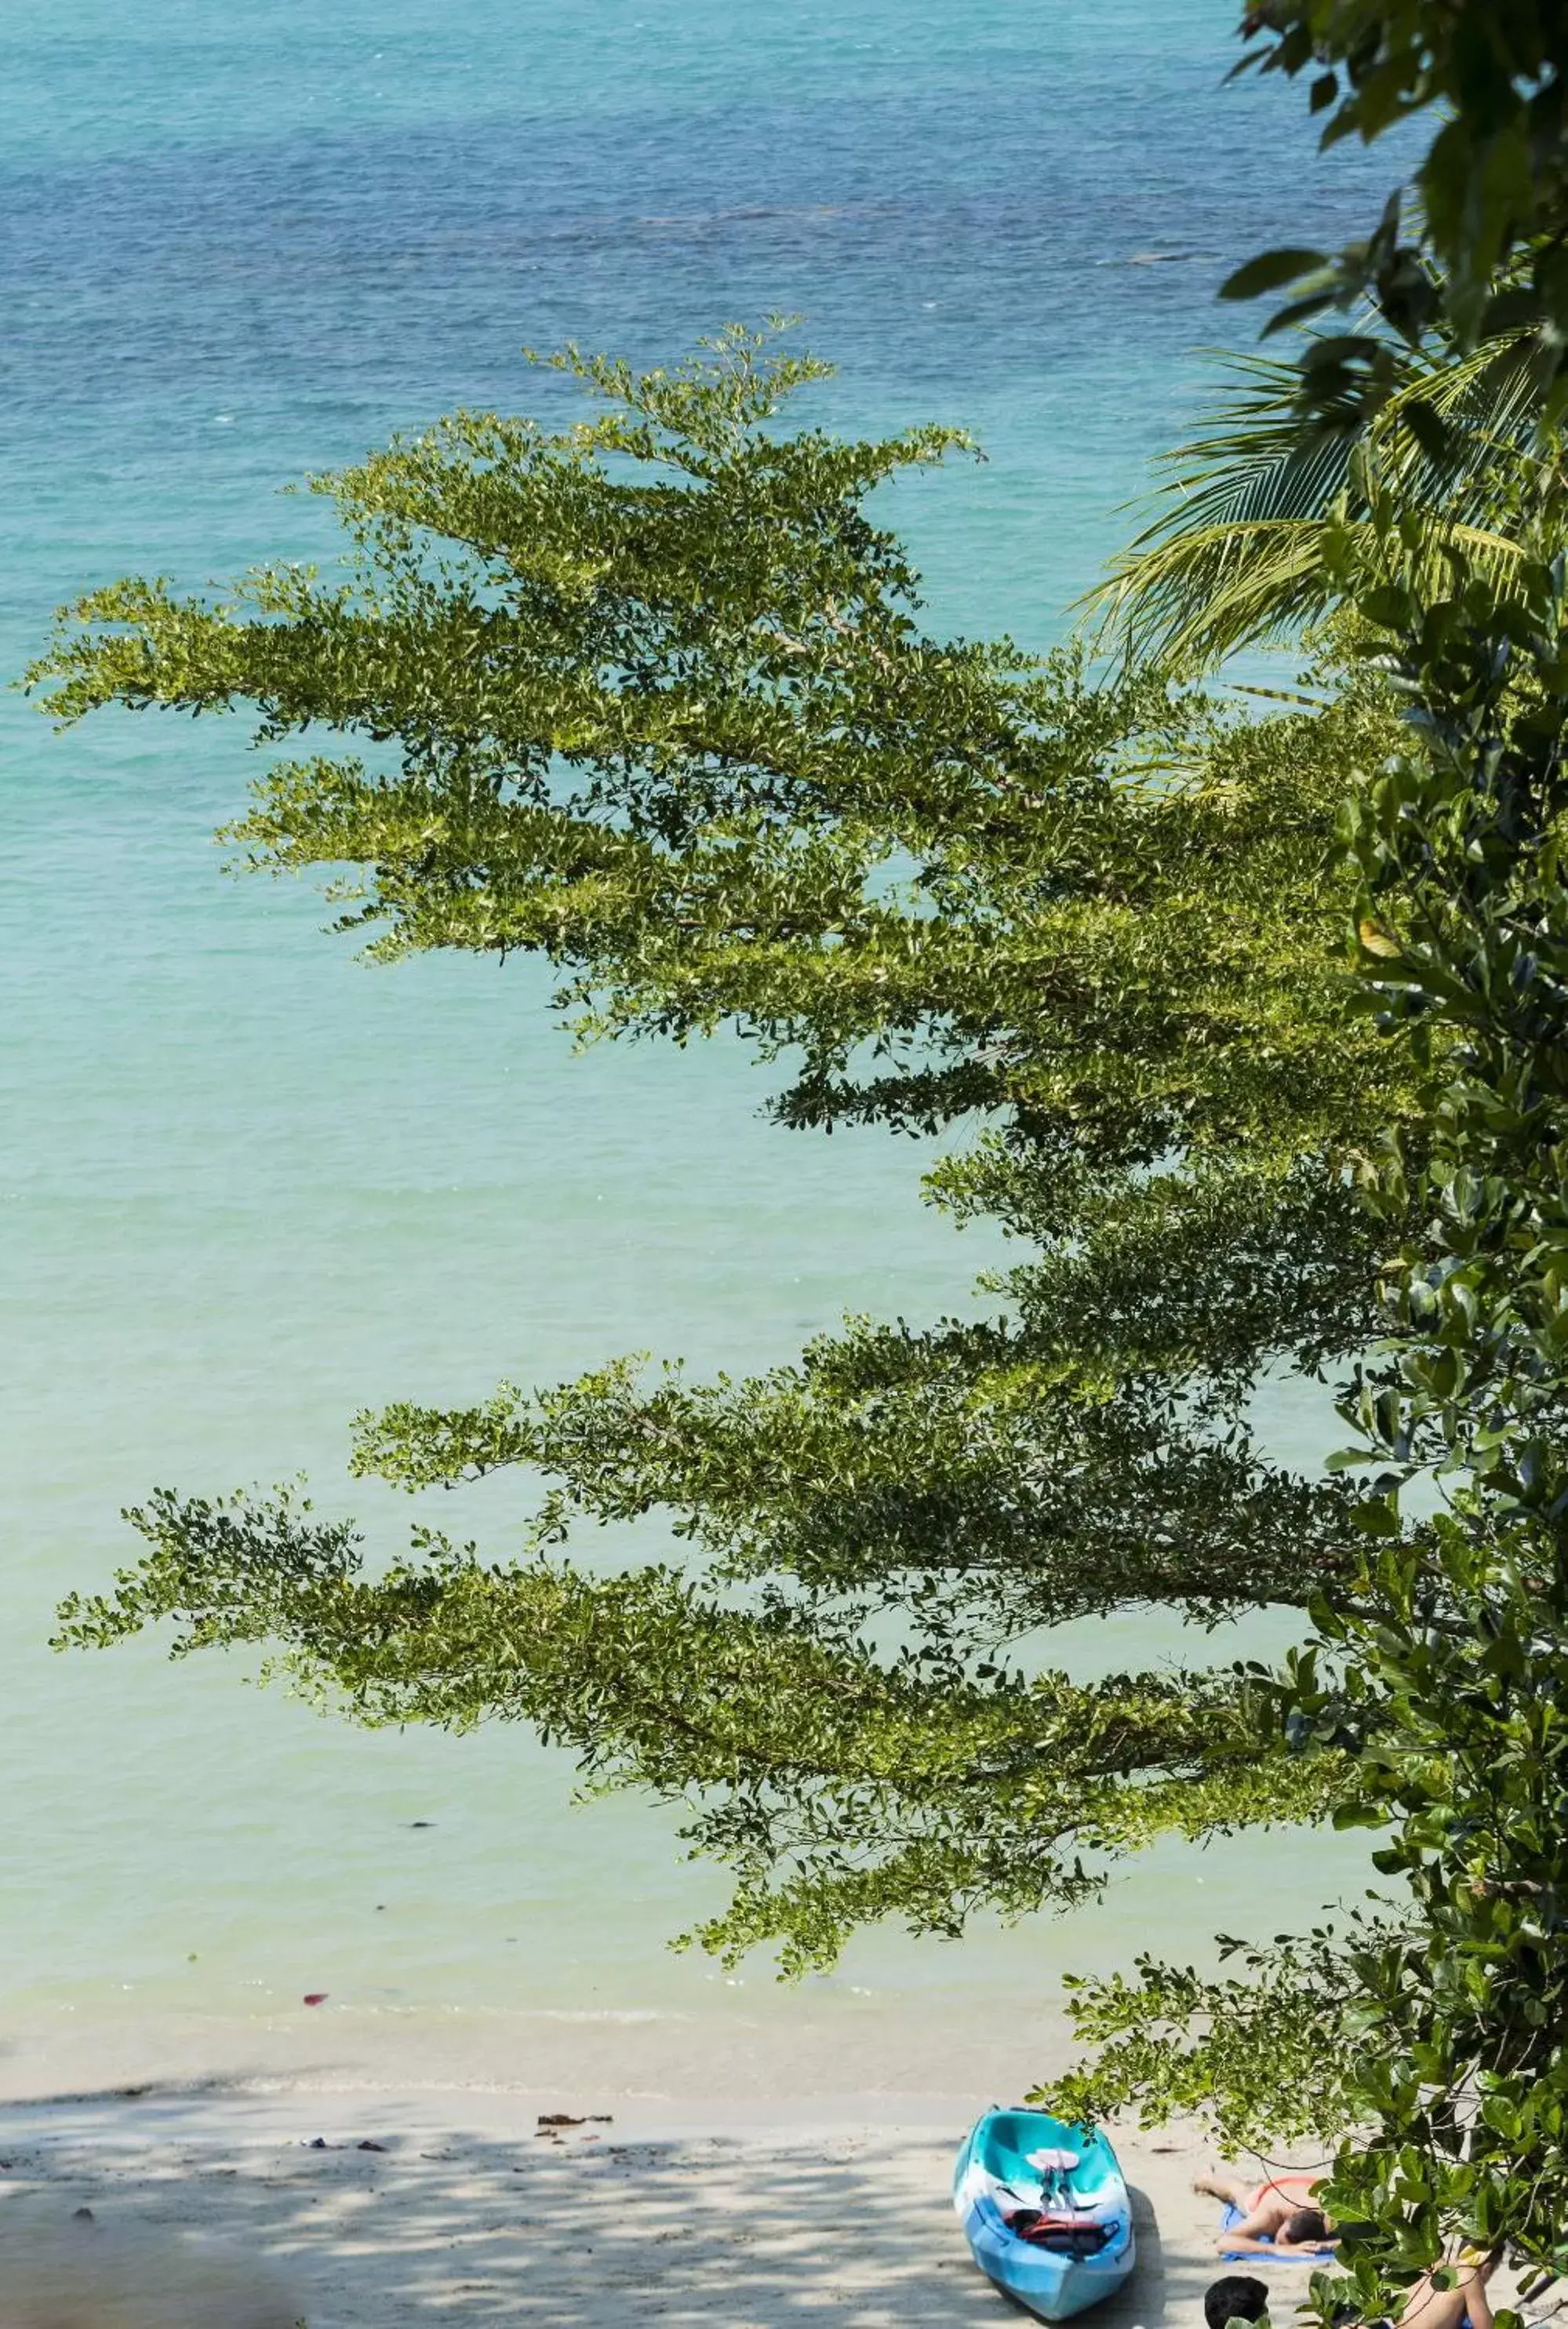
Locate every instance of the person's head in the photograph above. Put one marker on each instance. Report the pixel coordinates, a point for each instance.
(1237, 2297)
(1306, 2227)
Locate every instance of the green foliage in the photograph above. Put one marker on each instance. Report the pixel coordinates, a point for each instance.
(839, 1784)
(659, 707)
(1491, 181)
(1260, 2053)
(1464, 941)
(1439, 1671)
(663, 713)
(1248, 544)
(1437, 1681)
(1435, 1678)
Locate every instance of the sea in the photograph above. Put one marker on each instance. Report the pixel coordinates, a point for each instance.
(251, 1184)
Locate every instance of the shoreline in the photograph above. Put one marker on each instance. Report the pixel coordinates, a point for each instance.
(761, 2050)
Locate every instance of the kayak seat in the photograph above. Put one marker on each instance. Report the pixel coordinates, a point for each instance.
(1071, 2236)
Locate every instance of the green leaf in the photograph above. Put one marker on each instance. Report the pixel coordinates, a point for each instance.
(1267, 271)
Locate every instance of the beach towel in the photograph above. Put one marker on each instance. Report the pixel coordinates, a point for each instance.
(1230, 2216)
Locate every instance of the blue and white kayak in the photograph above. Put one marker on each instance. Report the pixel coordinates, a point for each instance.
(1045, 2212)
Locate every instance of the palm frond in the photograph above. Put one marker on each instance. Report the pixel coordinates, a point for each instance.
(1235, 555)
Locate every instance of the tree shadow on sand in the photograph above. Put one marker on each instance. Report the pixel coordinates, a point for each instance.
(849, 2227)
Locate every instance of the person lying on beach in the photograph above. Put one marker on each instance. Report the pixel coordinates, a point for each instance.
(1277, 2218)
(1427, 2306)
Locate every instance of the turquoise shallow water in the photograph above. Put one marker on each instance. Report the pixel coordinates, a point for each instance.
(249, 1184)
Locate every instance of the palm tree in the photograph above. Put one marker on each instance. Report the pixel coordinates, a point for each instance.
(1242, 552)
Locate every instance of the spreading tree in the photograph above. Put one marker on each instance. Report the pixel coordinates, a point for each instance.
(660, 707)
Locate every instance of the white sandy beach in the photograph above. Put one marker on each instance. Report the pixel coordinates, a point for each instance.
(399, 2176)
(781, 2156)
(778, 2166)
(678, 2213)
